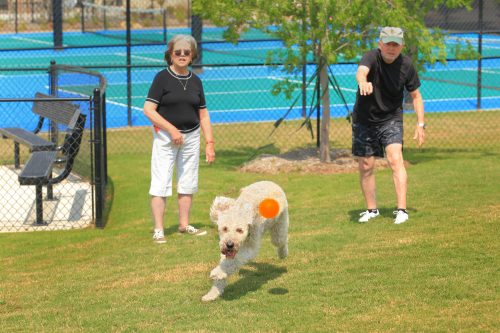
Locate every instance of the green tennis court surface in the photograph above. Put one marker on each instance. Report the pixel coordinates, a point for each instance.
(238, 93)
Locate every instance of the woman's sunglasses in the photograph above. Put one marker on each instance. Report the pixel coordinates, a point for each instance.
(178, 53)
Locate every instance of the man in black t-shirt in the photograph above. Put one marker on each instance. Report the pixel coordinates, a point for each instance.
(383, 75)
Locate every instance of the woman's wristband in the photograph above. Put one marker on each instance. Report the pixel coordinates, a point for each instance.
(209, 142)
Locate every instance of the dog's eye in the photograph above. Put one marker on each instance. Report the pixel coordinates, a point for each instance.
(239, 230)
(224, 229)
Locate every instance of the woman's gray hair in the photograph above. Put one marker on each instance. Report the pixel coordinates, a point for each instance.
(170, 47)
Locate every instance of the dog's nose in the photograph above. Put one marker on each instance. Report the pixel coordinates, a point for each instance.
(229, 244)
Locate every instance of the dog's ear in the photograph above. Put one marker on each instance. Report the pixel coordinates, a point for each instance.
(220, 204)
(248, 210)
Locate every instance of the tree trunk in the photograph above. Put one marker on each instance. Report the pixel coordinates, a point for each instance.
(324, 143)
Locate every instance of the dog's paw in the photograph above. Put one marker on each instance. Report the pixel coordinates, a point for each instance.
(212, 295)
(218, 274)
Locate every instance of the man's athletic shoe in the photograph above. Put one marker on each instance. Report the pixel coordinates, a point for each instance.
(401, 216)
(367, 215)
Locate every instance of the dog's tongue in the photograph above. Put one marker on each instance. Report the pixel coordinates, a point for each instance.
(229, 254)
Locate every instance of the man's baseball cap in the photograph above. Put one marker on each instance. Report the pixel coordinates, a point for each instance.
(391, 34)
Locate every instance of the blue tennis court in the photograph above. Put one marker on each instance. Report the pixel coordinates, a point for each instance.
(242, 93)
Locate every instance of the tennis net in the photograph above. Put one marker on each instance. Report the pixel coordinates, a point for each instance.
(149, 25)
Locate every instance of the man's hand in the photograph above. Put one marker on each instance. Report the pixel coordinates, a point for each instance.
(365, 88)
(419, 135)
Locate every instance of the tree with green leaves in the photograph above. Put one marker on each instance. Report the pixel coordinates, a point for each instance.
(331, 31)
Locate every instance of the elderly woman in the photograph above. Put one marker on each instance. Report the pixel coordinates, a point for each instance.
(176, 107)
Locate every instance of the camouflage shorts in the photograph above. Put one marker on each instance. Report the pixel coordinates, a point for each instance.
(372, 140)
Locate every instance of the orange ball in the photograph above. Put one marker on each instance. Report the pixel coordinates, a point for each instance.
(269, 208)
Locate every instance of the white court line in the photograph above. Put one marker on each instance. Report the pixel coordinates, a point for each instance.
(207, 80)
(125, 97)
(482, 71)
(458, 99)
(468, 69)
(139, 57)
(33, 40)
(264, 91)
(474, 41)
(269, 48)
(254, 109)
(123, 105)
(72, 92)
(237, 78)
(237, 92)
(341, 88)
(125, 83)
(276, 108)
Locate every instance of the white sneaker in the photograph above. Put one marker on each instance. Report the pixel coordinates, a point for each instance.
(367, 215)
(159, 237)
(401, 217)
(190, 230)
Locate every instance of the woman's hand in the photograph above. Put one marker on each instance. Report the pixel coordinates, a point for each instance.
(176, 136)
(210, 152)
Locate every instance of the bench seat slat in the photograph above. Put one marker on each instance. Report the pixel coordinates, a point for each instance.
(29, 139)
(38, 168)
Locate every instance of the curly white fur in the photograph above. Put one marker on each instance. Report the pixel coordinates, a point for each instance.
(241, 227)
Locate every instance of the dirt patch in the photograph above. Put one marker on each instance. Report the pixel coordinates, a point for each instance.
(306, 160)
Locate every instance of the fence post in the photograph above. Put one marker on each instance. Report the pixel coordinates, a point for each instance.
(98, 163)
(104, 139)
(53, 130)
(129, 62)
(196, 30)
(304, 89)
(15, 17)
(164, 18)
(480, 51)
(58, 23)
(318, 108)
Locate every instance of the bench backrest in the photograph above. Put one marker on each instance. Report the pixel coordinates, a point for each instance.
(60, 112)
(70, 147)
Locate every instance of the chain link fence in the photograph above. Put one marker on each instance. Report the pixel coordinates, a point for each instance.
(52, 150)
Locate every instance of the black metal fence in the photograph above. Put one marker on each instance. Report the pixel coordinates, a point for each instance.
(53, 169)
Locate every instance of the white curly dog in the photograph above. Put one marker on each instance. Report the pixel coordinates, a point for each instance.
(241, 227)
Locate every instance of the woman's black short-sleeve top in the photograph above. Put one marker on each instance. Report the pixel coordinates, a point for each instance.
(179, 98)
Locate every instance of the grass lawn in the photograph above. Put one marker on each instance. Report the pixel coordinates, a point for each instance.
(437, 272)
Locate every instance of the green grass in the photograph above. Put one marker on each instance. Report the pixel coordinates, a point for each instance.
(438, 272)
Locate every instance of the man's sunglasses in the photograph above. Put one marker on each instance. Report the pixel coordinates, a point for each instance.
(178, 53)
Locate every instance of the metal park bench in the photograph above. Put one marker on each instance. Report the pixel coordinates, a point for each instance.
(44, 154)
(57, 112)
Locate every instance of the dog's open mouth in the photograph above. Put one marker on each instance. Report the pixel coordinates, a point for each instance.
(229, 253)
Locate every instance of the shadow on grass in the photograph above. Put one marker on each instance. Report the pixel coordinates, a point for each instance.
(384, 212)
(252, 280)
(173, 229)
(423, 155)
(109, 199)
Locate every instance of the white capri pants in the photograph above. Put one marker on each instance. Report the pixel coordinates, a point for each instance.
(166, 155)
